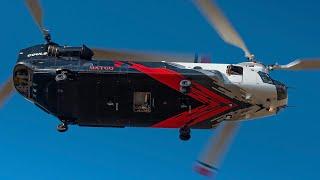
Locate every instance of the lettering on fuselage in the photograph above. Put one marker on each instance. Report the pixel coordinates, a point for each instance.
(101, 68)
(37, 54)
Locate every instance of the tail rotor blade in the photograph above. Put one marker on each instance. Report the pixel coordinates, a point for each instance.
(5, 91)
(218, 144)
(221, 24)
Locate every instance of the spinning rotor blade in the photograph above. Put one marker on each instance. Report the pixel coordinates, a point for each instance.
(221, 24)
(111, 54)
(300, 64)
(36, 12)
(218, 145)
(5, 91)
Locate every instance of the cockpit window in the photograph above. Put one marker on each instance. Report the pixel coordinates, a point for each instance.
(234, 70)
(265, 77)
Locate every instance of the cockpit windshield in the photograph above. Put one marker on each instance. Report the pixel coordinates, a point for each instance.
(265, 77)
(281, 88)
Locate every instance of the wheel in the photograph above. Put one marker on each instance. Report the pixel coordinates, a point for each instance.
(185, 133)
(185, 137)
(61, 77)
(62, 127)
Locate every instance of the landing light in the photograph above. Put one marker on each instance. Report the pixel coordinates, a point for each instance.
(271, 109)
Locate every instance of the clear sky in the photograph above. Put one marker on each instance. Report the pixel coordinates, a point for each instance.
(283, 147)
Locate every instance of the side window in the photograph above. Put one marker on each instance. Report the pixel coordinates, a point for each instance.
(142, 102)
(234, 70)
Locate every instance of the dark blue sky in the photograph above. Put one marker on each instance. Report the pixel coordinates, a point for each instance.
(283, 147)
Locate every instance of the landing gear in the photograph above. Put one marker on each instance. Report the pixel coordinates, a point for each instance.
(62, 127)
(185, 133)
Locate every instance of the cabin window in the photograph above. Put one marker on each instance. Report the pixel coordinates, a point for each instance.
(234, 70)
(142, 102)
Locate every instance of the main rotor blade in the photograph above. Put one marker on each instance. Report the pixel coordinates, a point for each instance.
(221, 24)
(218, 144)
(125, 55)
(6, 90)
(299, 64)
(36, 12)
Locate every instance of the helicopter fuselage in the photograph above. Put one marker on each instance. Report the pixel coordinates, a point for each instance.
(114, 93)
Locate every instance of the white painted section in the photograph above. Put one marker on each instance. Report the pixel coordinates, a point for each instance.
(257, 92)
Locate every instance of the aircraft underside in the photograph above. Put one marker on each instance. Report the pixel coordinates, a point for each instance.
(120, 94)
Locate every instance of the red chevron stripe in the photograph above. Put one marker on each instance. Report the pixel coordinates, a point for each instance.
(213, 104)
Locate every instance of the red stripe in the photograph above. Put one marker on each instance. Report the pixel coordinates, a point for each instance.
(165, 76)
(118, 64)
(213, 104)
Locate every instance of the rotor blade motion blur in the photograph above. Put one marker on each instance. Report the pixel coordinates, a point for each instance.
(300, 64)
(221, 24)
(5, 91)
(218, 144)
(111, 54)
(36, 11)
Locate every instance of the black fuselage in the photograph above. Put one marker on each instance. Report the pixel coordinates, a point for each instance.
(120, 93)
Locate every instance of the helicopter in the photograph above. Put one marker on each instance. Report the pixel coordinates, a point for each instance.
(98, 87)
